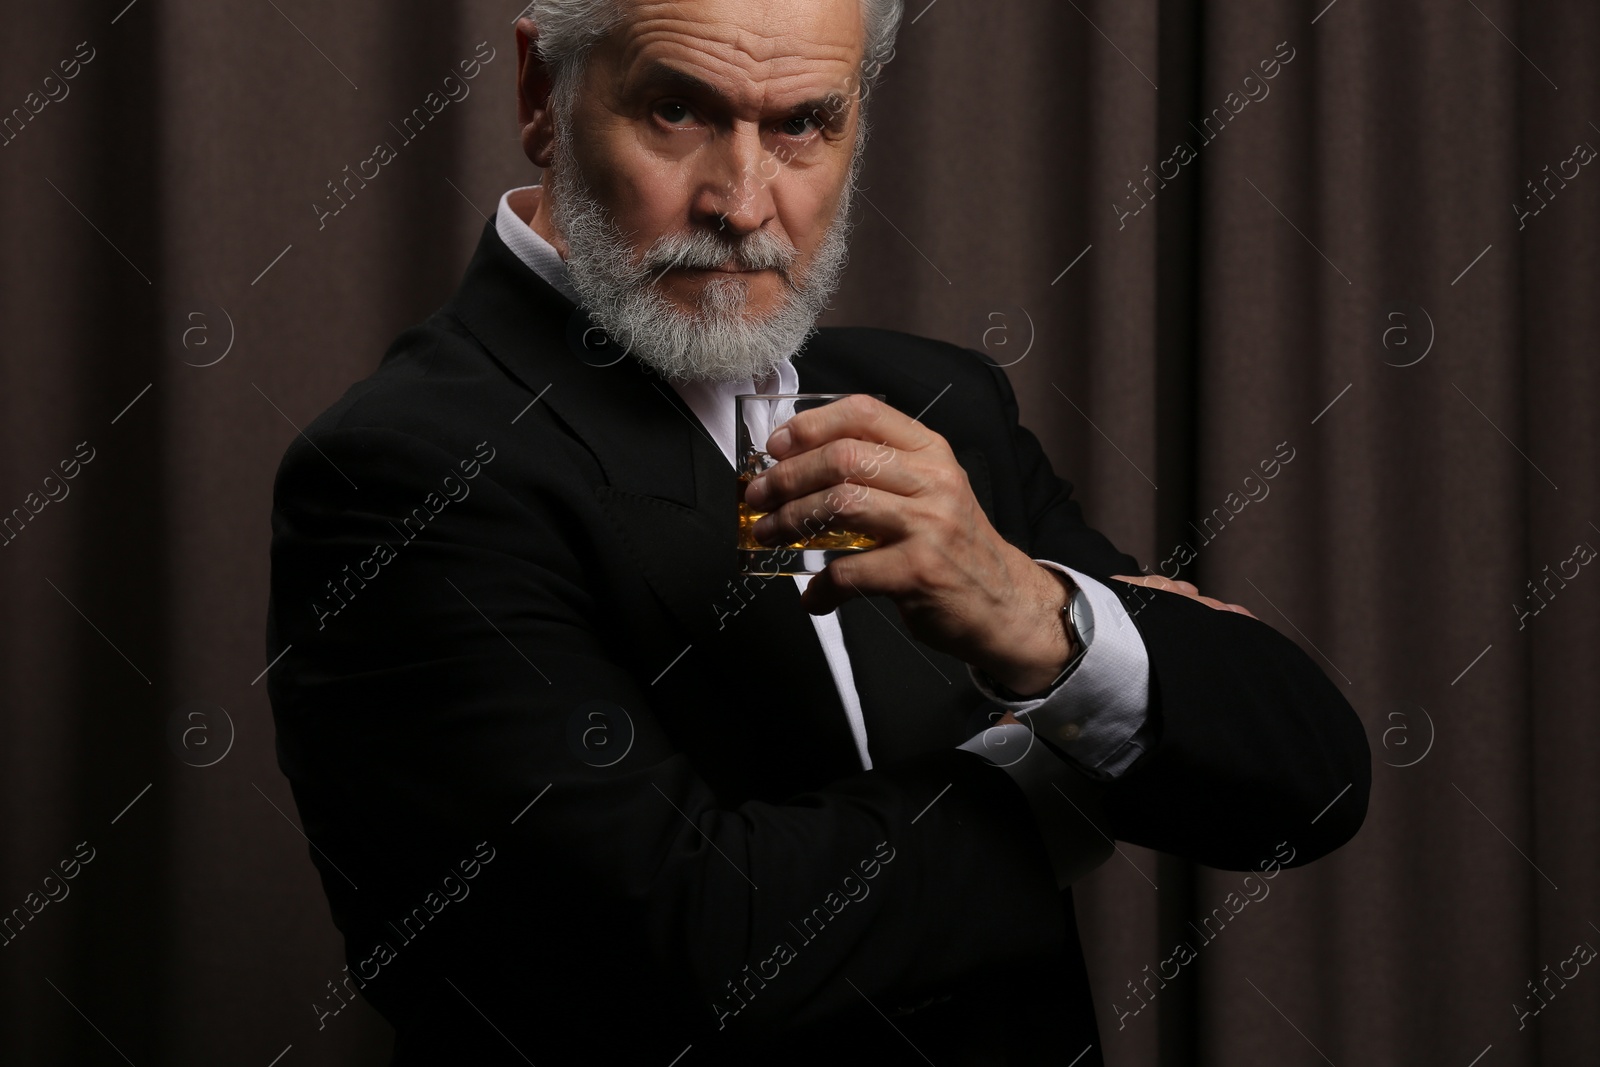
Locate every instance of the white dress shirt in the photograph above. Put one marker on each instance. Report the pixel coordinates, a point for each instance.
(1098, 715)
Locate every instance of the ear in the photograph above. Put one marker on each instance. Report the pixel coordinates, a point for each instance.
(534, 113)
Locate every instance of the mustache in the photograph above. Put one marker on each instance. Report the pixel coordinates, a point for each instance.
(709, 249)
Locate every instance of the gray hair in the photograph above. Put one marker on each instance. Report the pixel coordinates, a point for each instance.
(568, 29)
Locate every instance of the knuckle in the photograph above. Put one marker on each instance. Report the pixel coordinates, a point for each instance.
(841, 457)
(862, 405)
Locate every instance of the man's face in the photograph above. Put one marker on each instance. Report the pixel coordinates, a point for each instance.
(703, 179)
(688, 111)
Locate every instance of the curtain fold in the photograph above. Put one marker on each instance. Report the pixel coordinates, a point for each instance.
(1353, 245)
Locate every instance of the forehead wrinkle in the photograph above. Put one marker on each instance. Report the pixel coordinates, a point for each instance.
(672, 13)
(747, 64)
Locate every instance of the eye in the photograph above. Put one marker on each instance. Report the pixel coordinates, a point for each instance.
(674, 113)
(799, 126)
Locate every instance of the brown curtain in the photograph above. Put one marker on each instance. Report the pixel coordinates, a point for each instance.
(1344, 278)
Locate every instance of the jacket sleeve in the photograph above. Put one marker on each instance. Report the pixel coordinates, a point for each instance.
(1255, 746)
(445, 667)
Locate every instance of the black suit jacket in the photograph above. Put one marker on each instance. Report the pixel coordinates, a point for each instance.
(580, 794)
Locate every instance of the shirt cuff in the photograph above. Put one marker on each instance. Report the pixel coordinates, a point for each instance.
(1099, 714)
(1065, 803)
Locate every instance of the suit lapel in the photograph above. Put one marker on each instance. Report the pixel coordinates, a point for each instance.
(661, 486)
(672, 498)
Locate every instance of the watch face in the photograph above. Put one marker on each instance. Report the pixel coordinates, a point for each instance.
(1082, 617)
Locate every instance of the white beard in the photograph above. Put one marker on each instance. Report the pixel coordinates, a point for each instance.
(717, 341)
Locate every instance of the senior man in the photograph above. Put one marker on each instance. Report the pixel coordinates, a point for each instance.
(581, 794)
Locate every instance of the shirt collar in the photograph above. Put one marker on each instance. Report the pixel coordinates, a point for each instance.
(511, 223)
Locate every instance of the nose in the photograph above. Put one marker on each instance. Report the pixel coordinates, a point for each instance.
(735, 190)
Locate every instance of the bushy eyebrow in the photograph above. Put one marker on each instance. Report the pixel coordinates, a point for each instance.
(830, 110)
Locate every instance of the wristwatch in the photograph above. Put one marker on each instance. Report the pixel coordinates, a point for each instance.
(1078, 618)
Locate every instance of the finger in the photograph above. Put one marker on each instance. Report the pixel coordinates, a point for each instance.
(884, 571)
(1157, 581)
(880, 570)
(1222, 606)
(1150, 581)
(861, 416)
(845, 459)
(850, 506)
(823, 594)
